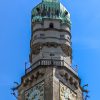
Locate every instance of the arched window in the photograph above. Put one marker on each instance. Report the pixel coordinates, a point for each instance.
(51, 25)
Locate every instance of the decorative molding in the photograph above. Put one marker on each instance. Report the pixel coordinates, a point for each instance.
(29, 79)
(36, 48)
(69, 78)
(51, 29)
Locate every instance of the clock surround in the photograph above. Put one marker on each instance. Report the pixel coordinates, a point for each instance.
(36, 92)
(66, 93)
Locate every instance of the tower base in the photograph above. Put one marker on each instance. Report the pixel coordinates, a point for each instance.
(50, 83)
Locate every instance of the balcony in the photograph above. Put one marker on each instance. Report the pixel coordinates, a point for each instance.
(51, 62)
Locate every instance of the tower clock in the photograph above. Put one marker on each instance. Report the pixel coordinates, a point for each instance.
(50, 75)
(66, 93)
(36, 92)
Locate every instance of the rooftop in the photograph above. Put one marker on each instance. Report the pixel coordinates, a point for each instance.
(52, 10)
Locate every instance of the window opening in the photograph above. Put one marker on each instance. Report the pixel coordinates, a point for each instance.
(51, 25)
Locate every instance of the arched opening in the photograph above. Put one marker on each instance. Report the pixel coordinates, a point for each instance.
(51, 25)
(71, 80)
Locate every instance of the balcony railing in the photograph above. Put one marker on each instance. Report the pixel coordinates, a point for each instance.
(45, 62)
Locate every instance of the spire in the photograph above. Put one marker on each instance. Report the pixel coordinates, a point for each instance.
(50, 0)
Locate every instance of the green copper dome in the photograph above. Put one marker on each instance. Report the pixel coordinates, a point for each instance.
(50, 0)
(51, 9)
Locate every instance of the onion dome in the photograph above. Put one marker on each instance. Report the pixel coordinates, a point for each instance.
(51, 9)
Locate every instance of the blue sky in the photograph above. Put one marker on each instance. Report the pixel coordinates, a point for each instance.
(15, 30)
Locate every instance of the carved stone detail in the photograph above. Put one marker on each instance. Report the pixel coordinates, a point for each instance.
(38, 74)
(36, 48)
(65, 75)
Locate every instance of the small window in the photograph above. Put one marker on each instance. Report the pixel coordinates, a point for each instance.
(65, 13)
(42, 35)
(51, 25)
(68, 38)
(62, 36)
(51, 54)
(35, 37)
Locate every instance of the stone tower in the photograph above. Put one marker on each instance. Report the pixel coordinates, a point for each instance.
(50, 75)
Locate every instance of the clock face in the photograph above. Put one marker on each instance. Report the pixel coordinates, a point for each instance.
(35, 93)
(66, 93)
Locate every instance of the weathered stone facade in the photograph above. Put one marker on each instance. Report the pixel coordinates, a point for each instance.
(50, 76)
